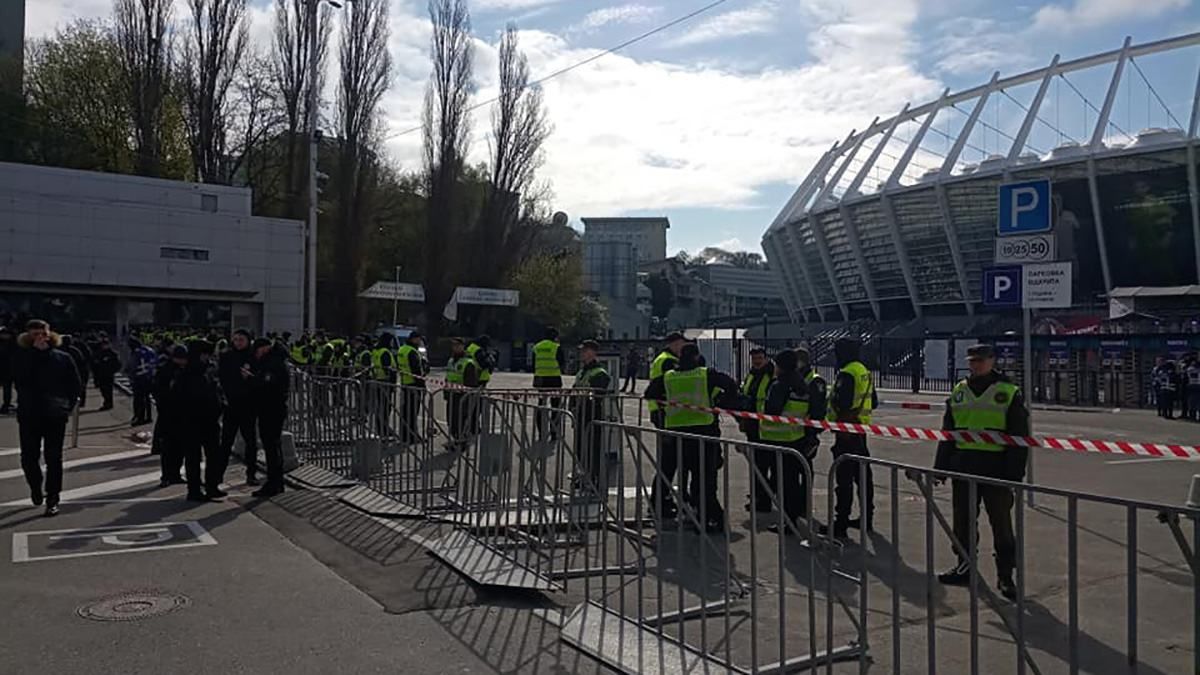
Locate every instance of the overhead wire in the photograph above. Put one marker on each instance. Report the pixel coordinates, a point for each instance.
(583, 62)
(1156, 95)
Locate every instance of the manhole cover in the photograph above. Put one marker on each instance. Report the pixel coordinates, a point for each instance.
(133, 606)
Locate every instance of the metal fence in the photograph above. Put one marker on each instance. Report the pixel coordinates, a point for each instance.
(571, 493)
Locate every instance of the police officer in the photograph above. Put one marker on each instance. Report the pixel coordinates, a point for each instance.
(662, 502)
(587, 408)
(692, 384)
(1163, 378)
(142, 363)
(198, 397)
(986, 400)
(269, 390)
(548, 364)
(463, 375)
(237, 416)
(170, 434)
(412, 369)
(105, 365)
(798, 391)
(1193, 389)
(480, 350)
(851, 400)
(754, 397)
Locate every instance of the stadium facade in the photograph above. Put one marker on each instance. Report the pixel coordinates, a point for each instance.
(898, 221)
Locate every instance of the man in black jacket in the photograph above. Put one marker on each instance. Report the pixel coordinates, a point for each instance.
(78, 354)
(105, 366)
(199, 403)
(170, 435)
(47, 389)
(755, 386)
(269, 391)
(234, 371)
(798, 391)
(8, 347)
(986, 400)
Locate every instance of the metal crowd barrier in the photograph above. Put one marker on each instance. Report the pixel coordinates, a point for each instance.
(708, 589)
(919, 626)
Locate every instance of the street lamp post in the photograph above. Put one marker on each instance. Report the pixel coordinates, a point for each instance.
(310, 130)
(396, 299)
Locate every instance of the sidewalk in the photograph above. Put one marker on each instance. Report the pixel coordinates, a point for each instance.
(301, 584)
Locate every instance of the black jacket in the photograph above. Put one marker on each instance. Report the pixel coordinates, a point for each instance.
(234, 387)
(105, 364)
(793, 381)
(1006, 465)
(196, 393)
(8, 349)
(46, 380)
(270, 382)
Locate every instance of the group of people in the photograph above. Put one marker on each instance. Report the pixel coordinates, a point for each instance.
(684, 395)
(1177, 384)
(204, 396)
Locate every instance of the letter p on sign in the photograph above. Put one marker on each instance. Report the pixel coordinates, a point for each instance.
(1024, 208)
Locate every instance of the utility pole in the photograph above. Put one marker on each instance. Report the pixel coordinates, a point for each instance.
(396, 299)
(310, 129)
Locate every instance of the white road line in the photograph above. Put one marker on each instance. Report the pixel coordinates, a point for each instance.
(9, 452)
(100, 488)
(83, 461)
(1152, 459)
(145, 447)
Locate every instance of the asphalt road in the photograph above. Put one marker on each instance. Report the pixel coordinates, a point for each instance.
(305, 583)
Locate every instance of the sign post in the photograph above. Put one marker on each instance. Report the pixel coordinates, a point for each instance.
(1023, 237)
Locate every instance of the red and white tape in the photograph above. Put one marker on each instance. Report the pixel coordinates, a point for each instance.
(996, 437)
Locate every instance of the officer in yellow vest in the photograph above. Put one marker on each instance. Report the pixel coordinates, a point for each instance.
(378, 388)
(462, 373)
(588, 408)
(798, 391)
(667, 448)
(851, 400)
(986, 400)
(479, 349)
(691, 383)
(754, 396)
(548, 363)
(412, 369)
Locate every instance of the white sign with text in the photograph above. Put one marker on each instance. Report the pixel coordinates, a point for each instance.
(1046, 286)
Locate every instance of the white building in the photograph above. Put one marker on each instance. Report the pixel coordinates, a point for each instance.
(647, 235)
(95, 250)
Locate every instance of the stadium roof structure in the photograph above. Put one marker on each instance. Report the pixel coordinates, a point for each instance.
(827, 270)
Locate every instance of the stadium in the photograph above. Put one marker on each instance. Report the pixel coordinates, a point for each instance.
(896, 224)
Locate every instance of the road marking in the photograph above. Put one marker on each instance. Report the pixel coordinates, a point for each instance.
(83, 461)
(100, 488)
(1152, 459)
(117, 536)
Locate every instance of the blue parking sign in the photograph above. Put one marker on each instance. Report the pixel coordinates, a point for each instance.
(1024, 208)
(1002, 286)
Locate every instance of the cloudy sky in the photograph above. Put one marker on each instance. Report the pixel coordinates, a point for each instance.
(714, 121)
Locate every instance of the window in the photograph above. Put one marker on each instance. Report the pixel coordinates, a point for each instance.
(208, 203)
(193, 254)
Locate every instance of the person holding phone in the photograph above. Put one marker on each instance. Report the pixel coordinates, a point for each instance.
(47, 386)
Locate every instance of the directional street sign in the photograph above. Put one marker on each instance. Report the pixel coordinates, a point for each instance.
(1024, 208)
(1002, 286)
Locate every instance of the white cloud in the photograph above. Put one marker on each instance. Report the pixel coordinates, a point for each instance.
(499, 5)
(43, 18)
(969, 45)
(757, 19)
(619, 14)
(1091, 13)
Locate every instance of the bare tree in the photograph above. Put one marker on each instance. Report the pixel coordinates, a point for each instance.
(366, 69)
(144, 39)
(212, 54)
(519, 129)
(446, 126)
(291, 76)
(255, 118)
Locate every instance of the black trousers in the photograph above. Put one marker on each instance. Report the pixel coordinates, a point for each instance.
(42, 439)
(547, 424)
(105, 385)
(187, 449)
(630, 382)
(141, 401)
(846, 482)
(411, 427)
(83, 387)
(701, 465)
(7, 386)
(270, 429)
(462, 412)
(1166, 403)
(787, 480)
(172, 443)
(667, 457)
(239, 419)
(999, 504)
(765, 479)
